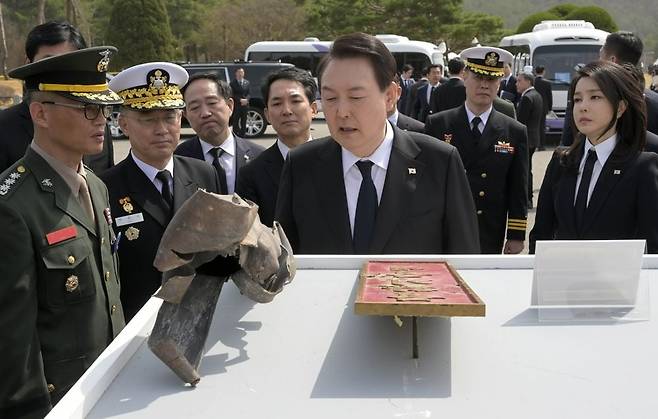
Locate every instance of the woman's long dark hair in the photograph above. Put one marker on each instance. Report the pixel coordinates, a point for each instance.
(618, 84)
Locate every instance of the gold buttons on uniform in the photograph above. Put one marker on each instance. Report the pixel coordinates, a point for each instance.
(102, 240)
(51, 388)
(479, 212)
(71, 283)
(70, 260)
(107, 276)
(20, 169)
(113, 309)
(483, 175)
(481, 193)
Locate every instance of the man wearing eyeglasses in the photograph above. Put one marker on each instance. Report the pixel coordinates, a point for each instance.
(149, 186)
(59, 288)
(16, 131)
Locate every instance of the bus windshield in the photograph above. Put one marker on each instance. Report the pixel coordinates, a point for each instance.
(560, 60)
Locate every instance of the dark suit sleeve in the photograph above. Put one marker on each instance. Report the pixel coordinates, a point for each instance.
(417, 105)
(432, 126)
(517, 195)
(23, 386)
(245, 186)
(544, 228)
(460, 223)
(284, 209)
(524, 110)
(648, 191)
(567, 132)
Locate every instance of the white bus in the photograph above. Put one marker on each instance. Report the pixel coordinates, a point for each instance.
(559, 46)
(306, 54)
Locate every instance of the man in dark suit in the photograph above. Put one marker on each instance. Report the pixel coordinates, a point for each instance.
(423, 106)
(208, 109)
(545, 89)
(290, 97)
(507, 88)
(452, 93)
(240, 89)
(372, 188)
(413, 92)
(406, 81)
(59, 287)
(530, 113)
(623, 48)
(494, 150)
(151, 184)
(16, 129)
(626, 48)
(400, 120)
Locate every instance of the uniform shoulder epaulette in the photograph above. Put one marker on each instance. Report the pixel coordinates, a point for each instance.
(12, 178)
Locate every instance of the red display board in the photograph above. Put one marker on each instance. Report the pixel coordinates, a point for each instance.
(415, 289)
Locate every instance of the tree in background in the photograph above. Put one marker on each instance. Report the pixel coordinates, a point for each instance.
(563, 10)
(231, 27)
(599, 17)
(140, 30)
(420, 20)
(488, 29)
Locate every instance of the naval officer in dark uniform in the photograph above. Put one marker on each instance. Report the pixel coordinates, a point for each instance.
(59, 289)
(494, 148)
(151, 184)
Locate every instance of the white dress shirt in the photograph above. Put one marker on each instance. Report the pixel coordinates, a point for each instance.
(151, 172)
(603, 151)
(226, 160)
(393, 119)
(484, 116)
(352, 174)
(284, 149)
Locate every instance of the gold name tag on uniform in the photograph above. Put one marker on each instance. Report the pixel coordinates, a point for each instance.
(129, 219)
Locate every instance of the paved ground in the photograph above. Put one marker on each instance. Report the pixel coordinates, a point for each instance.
(319, 129)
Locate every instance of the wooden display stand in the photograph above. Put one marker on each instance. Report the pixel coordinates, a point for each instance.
(415, 289)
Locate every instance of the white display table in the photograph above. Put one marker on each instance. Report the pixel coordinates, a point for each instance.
(307, 355)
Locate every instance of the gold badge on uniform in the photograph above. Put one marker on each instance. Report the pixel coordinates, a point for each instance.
(71, 283)
(492, 59)
(132, 233)
(447, 138)
(104, 62)
(127, 205)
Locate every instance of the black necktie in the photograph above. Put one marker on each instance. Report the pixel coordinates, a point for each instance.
(165, 177)
(583, 189)
(475, 127)
(366, 210)
(216, 154)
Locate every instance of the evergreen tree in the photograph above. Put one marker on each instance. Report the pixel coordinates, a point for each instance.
(140, 30)
(599, 17)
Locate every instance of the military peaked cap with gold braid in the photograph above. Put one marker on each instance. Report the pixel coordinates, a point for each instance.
(487, 61)
(151, 86)
(78, 75)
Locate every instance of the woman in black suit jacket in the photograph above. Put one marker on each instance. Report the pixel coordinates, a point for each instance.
(621, 202)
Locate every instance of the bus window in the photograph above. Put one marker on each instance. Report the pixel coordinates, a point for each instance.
(560, 60)
(260, 56)
(416, 59)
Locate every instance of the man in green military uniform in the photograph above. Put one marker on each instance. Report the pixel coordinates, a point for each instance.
(59, 289)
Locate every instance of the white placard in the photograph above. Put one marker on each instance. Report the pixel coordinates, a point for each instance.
(590, 273)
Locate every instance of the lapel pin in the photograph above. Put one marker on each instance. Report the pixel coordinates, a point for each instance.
(412, 170)
(617, 172)
(47, 182)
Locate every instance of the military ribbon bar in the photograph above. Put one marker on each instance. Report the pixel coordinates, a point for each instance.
(61, 235)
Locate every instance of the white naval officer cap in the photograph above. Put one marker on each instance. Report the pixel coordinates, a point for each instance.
(149, 86)
(487, 61)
